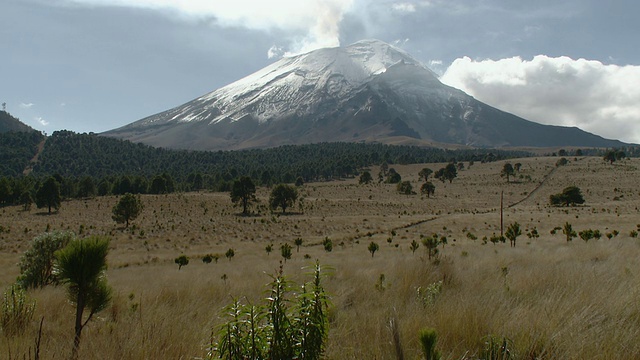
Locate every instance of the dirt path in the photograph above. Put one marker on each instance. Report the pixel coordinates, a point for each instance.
(34, 160)
(529, 195)
(544, 180)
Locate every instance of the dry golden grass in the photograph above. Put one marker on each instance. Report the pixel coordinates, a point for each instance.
(553, 299)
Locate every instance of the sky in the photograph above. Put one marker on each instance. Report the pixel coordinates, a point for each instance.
(95, 65)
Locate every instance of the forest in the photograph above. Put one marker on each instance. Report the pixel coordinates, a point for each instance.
(86, 165)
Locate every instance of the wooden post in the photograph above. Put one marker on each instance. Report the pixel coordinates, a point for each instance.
(501, 217)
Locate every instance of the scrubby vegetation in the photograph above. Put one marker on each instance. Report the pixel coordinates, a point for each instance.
(417, 277)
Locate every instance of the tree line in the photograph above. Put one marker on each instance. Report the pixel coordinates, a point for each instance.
(70, 154)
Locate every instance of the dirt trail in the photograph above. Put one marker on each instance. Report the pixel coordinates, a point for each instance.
(544, 180)
(34, 160)
(535, 190)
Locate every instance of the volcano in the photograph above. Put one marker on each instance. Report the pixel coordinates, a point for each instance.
(369, 91)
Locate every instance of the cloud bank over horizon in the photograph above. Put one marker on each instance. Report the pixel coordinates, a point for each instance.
(312, 24)
(599, 98)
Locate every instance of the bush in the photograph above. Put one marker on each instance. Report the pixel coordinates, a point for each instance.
(36, 265)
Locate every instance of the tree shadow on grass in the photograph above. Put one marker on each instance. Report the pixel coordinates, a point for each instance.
(46, 213)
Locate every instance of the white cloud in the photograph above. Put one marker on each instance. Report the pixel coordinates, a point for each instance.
(599, 98)
(312, 24)
(26, 105)
(404, 7)
(41, 121)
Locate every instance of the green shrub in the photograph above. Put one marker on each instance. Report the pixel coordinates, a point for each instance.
(36, 264)
(327, 244)
(277, 330)
(428, 339)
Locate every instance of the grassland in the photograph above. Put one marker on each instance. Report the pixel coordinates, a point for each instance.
(551, 298)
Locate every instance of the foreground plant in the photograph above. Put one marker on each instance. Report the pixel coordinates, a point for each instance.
(81, 265)
(17, 311)
(496, 348)
(36, 265)
(277, 330)
(428, 339)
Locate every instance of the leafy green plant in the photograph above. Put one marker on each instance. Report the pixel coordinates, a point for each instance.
(428, 339)
(17, 311)
(497, 348)
(285, 251)
(568, 231)
(429, 294)
(431, 244)
(512, 233)
(36, 264)
(414, 246)
(586, 235)
(327, 244)
(230, 254)
(496, 239)
(373, 247)
(81, 265)
(268, 248)
(298, 243)
(277, 330)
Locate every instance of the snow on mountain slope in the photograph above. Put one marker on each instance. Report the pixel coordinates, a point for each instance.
(297, 80)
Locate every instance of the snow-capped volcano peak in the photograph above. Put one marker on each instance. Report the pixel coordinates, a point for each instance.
(286, 86)
(334, 70)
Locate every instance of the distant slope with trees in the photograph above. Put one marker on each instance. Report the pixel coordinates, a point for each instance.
(9, 123)
(18, 145)
(70, 154)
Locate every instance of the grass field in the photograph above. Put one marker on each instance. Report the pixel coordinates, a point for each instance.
(551, 299)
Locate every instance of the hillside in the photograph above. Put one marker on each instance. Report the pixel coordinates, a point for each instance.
(70, 154)
(545, 298)
(10, 123)
(16, 151)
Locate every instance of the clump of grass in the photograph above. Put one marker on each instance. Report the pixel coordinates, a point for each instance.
(17, 311)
